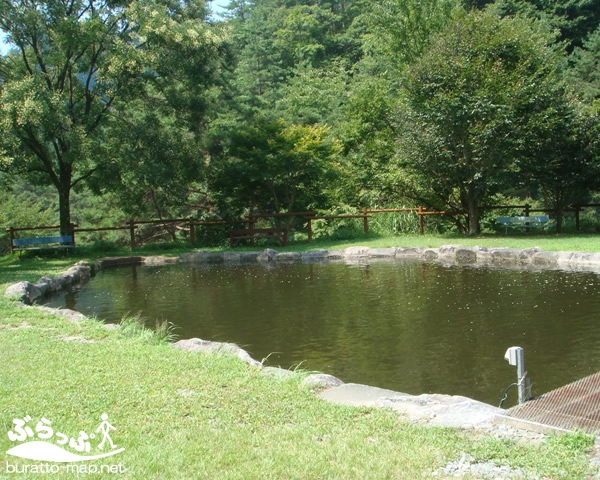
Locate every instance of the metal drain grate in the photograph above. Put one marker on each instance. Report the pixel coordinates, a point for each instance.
(574, 406)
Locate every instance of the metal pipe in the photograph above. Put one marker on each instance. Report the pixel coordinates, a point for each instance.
(516, 357)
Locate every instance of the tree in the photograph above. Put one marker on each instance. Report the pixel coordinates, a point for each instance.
(584, 73)
(275, 167)
(564, 161)
(470, 99)
(574, 19)
(75, 65)
(401, 29)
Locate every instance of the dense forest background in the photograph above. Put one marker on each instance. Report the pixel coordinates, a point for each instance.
(159, 109)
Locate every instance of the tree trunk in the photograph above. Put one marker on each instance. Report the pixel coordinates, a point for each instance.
(473, 211)
(63, 185)
(64, 207)
(559, 220)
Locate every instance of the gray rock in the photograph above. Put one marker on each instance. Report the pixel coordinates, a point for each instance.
(466, 255)
(288, 257)
(321, 380)
(120, 261)
(26, 292)
(202, 257)
(43, 287)
(315, 255)
(356, 252)
(232, 257)
(276, 372)
(506, 257)
(430, 255)
(447, 252)
(443, 410)
(357, 395)
(206, 346)
(526, 256)
(382, 252)
(545, 260)
(48, 285)
(409, 252)
(266, 255)
(158, 260)
(579, 260)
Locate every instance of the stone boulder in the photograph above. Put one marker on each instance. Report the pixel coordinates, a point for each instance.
(206, 346)
(320, 381)
(26, 292)
(267, 255)
(356, 252)
(288, 257)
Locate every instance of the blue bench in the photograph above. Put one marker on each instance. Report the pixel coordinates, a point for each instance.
(59, 241)
(539, 221)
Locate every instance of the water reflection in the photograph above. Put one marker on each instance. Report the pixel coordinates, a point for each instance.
(413, 327)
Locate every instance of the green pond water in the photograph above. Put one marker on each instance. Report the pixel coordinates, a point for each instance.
(411, 327)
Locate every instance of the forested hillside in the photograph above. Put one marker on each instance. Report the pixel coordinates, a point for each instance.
(156, 108)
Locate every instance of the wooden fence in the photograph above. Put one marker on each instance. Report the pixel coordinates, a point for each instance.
(190, 224)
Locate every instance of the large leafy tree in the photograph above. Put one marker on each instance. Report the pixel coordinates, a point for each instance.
(564, 161)
(275, 167)
(75, 67)
(394, 34)
(573, 19)
(584, 73)
(471, 99)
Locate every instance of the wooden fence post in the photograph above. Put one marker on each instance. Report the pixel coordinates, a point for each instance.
(132, 233)
(73, 233)
(527, 208)
(251, 222)
(365, 221)
(421, 225)
(12, 237)
(192, 232)
(309, 229)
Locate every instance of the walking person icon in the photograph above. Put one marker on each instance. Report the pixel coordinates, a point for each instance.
(105, 427)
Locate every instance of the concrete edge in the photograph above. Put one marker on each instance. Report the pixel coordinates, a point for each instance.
(530, 426)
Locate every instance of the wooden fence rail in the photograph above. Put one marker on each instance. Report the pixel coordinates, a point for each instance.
(190, 223)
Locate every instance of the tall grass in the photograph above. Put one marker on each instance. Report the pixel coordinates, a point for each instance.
(134, 326)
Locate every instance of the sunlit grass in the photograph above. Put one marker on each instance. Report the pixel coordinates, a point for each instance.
(31, 267)
(192, 415)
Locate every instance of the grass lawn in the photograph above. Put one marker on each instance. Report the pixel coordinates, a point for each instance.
(188, 415)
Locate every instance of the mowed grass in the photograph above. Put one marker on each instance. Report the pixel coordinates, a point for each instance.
(185, 415)
(31, 267)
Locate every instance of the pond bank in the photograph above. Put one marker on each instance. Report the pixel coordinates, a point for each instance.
(437, 409)
(513, 258)
(420, 409)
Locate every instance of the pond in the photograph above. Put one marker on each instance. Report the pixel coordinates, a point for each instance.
(407, 326)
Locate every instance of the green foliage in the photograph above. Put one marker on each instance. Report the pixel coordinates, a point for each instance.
(397, 223)
(23, 208)
(402, 29)
(574, 20)
(338, 228)
(67, 94)
(471, 99)
(584, 73)
(565, 160)
(276, 167)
